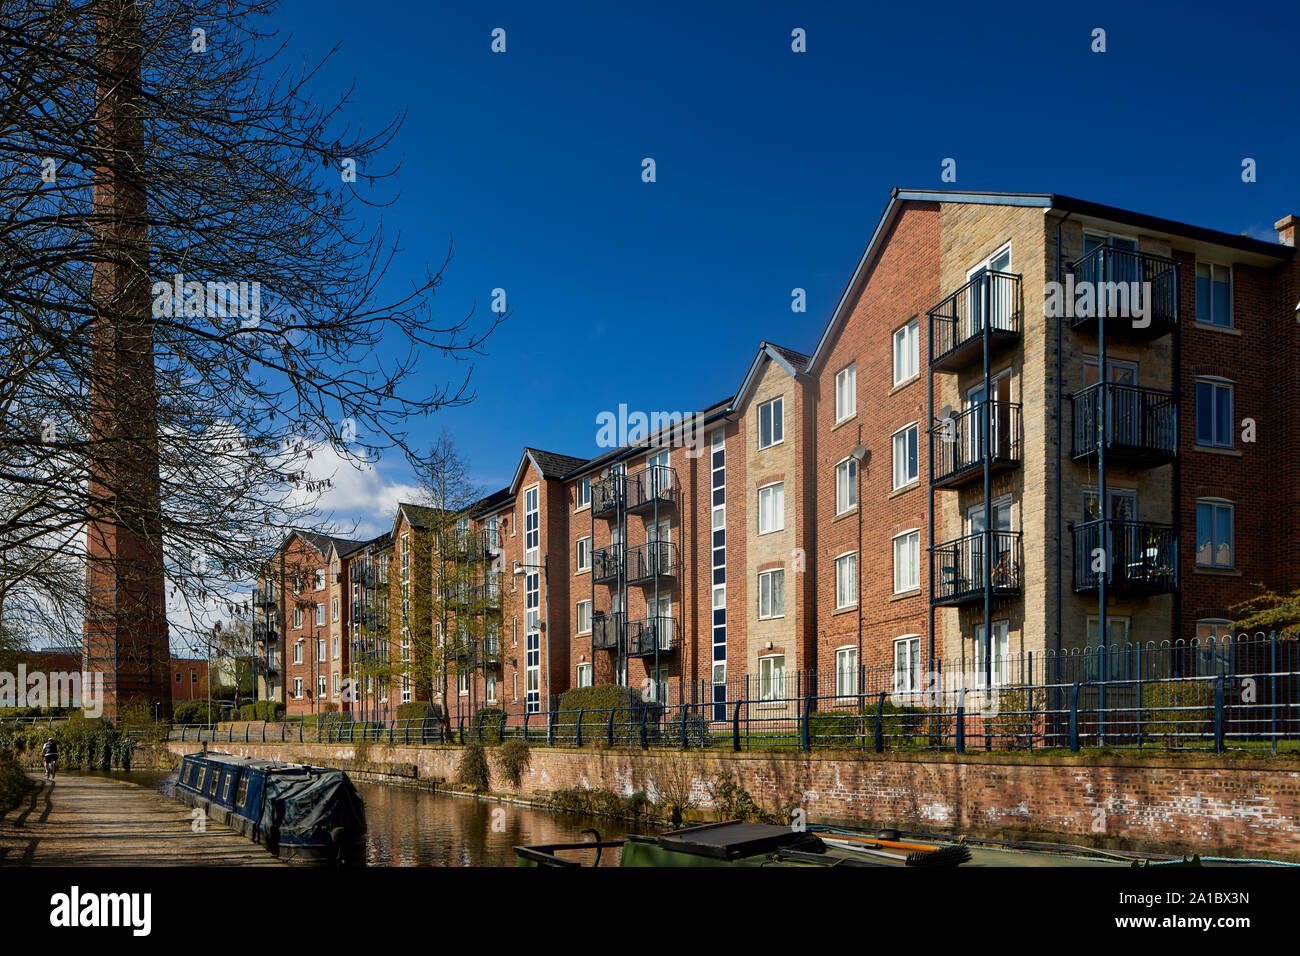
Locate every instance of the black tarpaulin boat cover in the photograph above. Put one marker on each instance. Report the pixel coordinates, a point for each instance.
(305, 809)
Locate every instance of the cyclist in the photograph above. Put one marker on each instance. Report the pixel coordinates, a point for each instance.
(50, 754)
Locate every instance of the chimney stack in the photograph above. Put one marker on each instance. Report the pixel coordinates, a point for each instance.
(1286, 230)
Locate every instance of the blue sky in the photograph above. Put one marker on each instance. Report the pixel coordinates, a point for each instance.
(772, 166)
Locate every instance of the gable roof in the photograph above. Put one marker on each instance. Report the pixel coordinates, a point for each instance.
(795, 364)
(490, 502)
(419, 517)
(1048, 201)
(325, 542)
(547, 463)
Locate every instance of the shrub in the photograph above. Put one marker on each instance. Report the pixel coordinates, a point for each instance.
(488, 725)
(194, 712)
(595, 702)
(733, 801)
(473, 771)
(416, 710)
(512, 760)
(13, 783)
(268, 710)
(899, 725)
(1165, 721)
(603, 803)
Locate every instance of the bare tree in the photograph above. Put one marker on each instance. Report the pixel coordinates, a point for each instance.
(253, 319)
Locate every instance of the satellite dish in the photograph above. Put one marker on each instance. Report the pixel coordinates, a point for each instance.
(945, 412)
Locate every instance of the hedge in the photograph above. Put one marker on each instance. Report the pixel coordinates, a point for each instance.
(268, 710)
(13, 783)
(595, 702)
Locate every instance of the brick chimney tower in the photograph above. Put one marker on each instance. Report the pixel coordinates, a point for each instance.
(126, 621)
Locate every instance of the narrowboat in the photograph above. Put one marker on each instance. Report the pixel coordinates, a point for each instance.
(737, 843)
(299, 813)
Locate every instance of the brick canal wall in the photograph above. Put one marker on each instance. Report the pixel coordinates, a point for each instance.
(1161, 803)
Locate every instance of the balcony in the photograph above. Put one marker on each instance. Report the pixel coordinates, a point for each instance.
(1143, 557)
(462, 652)
(607, 564)
(1141, 424)
(607, 631)
(608, 494)
(467, 544)
(264, 596)
(958, 568)
(654, 635)
(1116, 276)
(652, 488)
(958, 446)
(957, 323)
(264, 633)
(489, 652)
(471, 598)
(654, 561)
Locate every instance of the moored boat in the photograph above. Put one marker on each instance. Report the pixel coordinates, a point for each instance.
(299, 813)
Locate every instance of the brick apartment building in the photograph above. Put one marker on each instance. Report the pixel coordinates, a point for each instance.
(955, 476)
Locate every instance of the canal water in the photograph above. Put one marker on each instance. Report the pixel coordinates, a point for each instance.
(422, 828)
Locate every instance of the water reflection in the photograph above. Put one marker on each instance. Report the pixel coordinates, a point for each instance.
(419, 828)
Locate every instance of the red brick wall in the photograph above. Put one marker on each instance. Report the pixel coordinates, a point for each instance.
(189, 678)
(1233, 807)
(903, 283)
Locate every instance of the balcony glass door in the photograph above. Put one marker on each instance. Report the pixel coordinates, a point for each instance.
(1114, 267)
(656, 474)
(662, 620)
(999, 393)
(975, 524)
(997, 293)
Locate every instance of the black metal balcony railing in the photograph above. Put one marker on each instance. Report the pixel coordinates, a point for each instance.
(659, 634)
(1141, 423)
(264, 633)
(958, 446)
(264, 596)
(471, 598)
(607, 563)
(367, 575)
(608, 493)
(957, 323)
(1137, 557)
(489, 654)
(650, 561)
(653, 486)
(462, 651)
(607, 631)
(958, 567)
(470, 544)
(1114, 275)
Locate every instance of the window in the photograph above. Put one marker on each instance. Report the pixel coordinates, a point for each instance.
(771, 594)
(490, 688)
(771, 508)
(584, 675)
(771, 677)
(771, 423)
(1213, 534)
(907, 562)
(1213, 646)
(406, 689)
(320, 614)
(178, 678)
(1001, 653)
(462, 682)
(337, 684)
(907, 355)
(846, 672)
(320, 649)
(907, 664)
(297, 617)
(582, 494)
(194, 677)
(846, 486)
(584, 617)
(335, 646)
(846, 392)
(320, 579)
(846, 580)
(906, 468)
(334, 609)
(1214, 413)
(1214, 294)
(297, 687)
(321, 686)
(584, 554)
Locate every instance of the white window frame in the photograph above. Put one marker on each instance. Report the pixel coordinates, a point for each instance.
(321, 652)
(899, 579)
(848, 500)
(320, 579)
(1216, 383)
(773, 491)
(582, 556)
(846, 392)
(584, 675)
(848, 559)
(907, 345)
(914, 429)
(776, 421)
(771, 578)
(320, 615)
(843, 688)
(334, 608)
(297, 688)
(490, 688)
(297, 652)
(583, 606)
(903, 683)
(1001, 669)
(322, 685)
(1231, 506)
(297, 618)
(1196, 298)
(771, 677)
(582, 494)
